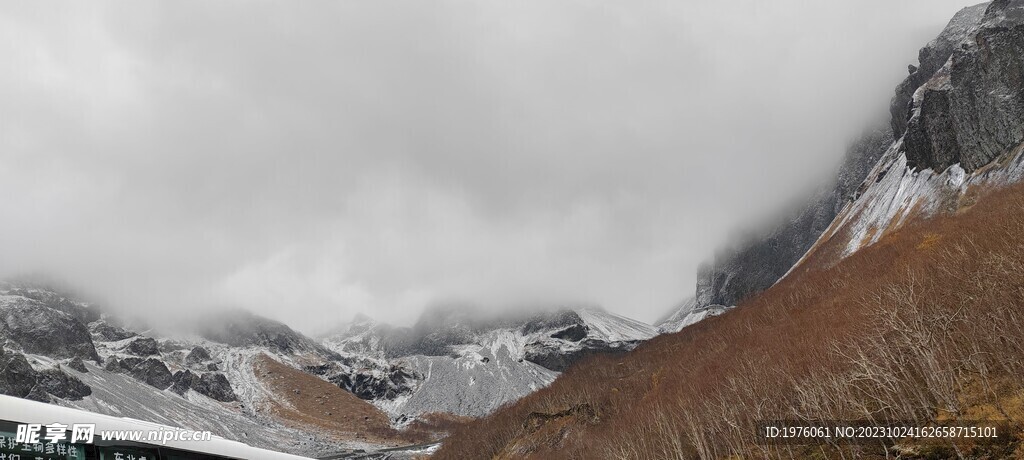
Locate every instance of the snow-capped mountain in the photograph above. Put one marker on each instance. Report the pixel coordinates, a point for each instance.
(457, 361)
(60, 350)
(258, 381)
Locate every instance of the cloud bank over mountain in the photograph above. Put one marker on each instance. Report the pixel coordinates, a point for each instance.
(310, 161)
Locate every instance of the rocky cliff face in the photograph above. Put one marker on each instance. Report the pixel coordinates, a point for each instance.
(34, 327)
(960, 110)
(969, 110)
(755, 265)
(931, 58)
(963, 133)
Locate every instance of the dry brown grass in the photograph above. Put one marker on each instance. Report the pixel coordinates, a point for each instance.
(892, 332)
(308, 402)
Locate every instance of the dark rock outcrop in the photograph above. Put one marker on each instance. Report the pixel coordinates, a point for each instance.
(154, 372)
(198, 355)
(143, 346)
(931, 58)
(58, 383)
(558, 358)
(970, 110)
(38, 394)
(78, 365)
(559, 319)
(17, 378)
(151, 370)
(123, 365)
(211, 384)
(572, 333)
(42, 330)
(181, 382)
(214, 385)
(369, 384)
(109, 333)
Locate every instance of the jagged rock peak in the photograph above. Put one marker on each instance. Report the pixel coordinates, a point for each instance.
(240, 328)
(931, 58)
(38, 328)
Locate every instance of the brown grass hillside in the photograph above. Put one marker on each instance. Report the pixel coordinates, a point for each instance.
(310, 402)
(926, 325)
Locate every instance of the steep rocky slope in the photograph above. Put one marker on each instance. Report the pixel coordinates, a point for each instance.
(60, 350)
(955, 116)
(963, 129)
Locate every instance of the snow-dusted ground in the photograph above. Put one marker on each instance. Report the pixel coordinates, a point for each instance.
(610, 327)
(121, 395)
(469, 386)
(479, 376)
(474, 380)
(689, 314)
(897, 192)
(246, 420)
(461, 365)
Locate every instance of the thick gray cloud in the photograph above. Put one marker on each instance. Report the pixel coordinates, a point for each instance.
(311, 160)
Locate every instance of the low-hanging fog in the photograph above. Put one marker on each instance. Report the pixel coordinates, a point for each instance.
(312, 160)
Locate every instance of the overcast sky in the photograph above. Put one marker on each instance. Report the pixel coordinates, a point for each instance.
(312, 160)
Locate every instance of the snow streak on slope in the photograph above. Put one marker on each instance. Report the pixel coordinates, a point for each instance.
(479, 366)
(121, 395)
(475, 383)
(615, 328)
(898, 192)
(689, 314)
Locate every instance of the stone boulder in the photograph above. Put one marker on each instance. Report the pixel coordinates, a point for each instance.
(182, 382)
(109, 333)
(198, 355)
(214, 385)
(143, 346)
(211, 384)
(17, 378)
(58, 383)
(78, 365)
(154, 372)
(122, 365)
